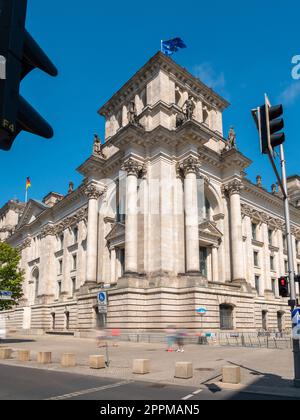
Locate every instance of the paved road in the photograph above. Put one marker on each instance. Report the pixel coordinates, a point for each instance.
(18, 383)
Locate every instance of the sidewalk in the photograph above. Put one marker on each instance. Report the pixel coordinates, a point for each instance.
(266, 371)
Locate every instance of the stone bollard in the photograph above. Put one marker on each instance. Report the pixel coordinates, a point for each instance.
(231, 375)
(184, 370)
(141, 366)
(44, 357)
(23, 355)
(5, 353)
(68, 360)
(97, 362)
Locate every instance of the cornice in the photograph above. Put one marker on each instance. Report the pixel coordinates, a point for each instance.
(161, 62)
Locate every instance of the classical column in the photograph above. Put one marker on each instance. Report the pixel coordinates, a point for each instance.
(133, 169)
(190, 168)
(234, 188)
(215, 264)
(47, 263)
(113, 263)
(93, 195)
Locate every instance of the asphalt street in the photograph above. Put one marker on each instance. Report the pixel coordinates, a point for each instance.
(19, 383)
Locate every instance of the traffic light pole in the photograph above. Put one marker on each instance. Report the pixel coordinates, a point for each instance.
(293, 301)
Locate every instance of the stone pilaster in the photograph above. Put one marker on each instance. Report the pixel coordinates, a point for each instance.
(93, 194)
(190, 168)
(233, 189)
(133, 170)
(47, 264)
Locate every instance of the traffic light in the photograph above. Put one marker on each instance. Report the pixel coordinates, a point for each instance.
(283, 287)
(19, 55)
(270, 126)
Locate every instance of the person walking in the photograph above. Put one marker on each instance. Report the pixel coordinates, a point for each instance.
(170, 336)
(180, 336)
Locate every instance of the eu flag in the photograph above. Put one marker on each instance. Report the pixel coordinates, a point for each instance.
(172, 46)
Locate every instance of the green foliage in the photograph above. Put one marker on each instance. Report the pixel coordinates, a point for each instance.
(11, 277)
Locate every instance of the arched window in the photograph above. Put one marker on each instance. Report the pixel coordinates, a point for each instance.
(226, 317)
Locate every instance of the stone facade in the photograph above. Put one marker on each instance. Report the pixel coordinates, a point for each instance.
(164, 215)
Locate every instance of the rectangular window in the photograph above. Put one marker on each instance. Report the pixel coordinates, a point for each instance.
(75, 234)
(298, 269)
(73, 280)
(61, 241)
(270, 236)
(59, 288)
(273, 281)
(272, 264)
(74, 262)
(60, 266)
(286, 267)
(257, 283)
(284, 242)
(203, 261)
(297, 247)
(254, 231)
(255, 258)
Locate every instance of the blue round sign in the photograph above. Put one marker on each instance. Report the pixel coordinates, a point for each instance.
(102, 297)
(201, 311)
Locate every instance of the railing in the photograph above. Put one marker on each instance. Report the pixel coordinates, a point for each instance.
(261, 339)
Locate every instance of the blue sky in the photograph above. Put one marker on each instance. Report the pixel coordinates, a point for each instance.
(97, 46)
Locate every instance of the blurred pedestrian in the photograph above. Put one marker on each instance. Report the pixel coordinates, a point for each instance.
(180, 337)
(115, 334)
(102, 338)
(170, 337)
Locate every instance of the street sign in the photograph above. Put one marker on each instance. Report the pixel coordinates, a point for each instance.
(4, 295)
(296, 323)
(201, 311)
(102, 302)
(102, 298)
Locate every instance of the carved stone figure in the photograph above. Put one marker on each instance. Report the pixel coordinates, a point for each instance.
(71, 187)
(180, 119)
(231, 144)
(132, 115)
(189, 108)
(97, 151)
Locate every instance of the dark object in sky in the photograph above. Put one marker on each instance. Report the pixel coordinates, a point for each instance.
(19, 55)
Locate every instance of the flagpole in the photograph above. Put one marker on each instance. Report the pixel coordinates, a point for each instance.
(26, 195)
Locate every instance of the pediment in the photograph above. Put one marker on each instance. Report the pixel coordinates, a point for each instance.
(210, 229)
(117, 232)
(32, 210)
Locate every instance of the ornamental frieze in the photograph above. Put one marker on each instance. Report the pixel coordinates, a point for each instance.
(264, 217)
(68, 222)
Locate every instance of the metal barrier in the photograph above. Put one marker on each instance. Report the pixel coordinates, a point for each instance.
(255, 340)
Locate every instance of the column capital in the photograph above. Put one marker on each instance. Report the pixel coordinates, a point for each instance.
(232, 187)
(133, 167)
(189, 165)
(92, 192)
(48, 230)
(25, 244)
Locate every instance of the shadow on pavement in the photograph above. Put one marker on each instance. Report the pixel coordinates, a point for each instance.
(15, 341)
(267, 384)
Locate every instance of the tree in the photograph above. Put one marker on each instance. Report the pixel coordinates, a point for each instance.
(11, 276)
